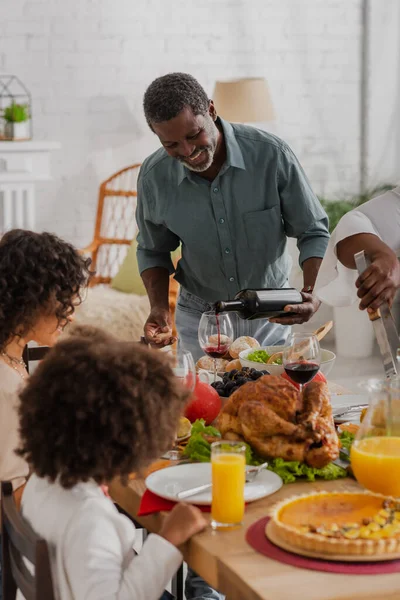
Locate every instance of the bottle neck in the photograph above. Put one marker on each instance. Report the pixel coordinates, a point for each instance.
(229, 306)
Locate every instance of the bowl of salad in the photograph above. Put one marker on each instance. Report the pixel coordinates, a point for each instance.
(259, 357)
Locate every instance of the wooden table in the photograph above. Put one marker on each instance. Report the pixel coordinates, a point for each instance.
(229, 564)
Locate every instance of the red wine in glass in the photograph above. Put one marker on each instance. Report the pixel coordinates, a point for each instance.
(215, 335)
(217, 351)
(301, 372)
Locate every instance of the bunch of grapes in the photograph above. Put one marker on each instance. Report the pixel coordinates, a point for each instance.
(232, 380)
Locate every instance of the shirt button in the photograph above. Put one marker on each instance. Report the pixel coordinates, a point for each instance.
(216, 190)
(227, 250)
(231, 279)
(222, 221)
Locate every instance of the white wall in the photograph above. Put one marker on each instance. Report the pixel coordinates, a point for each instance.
(88, 62)
(384, 99)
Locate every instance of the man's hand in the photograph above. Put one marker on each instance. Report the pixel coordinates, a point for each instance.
(380, 282)
(304, 311)
(158, 329)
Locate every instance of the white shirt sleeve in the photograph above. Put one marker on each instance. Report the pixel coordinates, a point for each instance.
(12, 467)
(335, 284)
(98, 567)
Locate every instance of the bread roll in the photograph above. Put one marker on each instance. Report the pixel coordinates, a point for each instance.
(207, 363)
(223, 339)
(242, 343)
(233, 364)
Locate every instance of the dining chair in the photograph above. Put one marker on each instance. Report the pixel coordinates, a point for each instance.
(20, 542)
(115, 225)
(32, 354)
(115, 229)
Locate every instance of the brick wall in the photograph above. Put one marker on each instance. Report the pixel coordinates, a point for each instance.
(87, 64)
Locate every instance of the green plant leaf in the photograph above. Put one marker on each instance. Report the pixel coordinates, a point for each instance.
(16, 113)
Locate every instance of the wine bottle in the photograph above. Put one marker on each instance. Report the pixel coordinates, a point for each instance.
(260, 304)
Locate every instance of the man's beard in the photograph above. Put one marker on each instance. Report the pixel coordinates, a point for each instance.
(209, 150)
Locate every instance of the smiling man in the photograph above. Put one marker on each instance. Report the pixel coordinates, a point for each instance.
(230, 194)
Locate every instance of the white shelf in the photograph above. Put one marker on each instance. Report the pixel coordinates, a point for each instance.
(29, 146)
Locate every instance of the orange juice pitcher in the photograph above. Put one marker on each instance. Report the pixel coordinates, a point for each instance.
(228, 467)
(375, 454)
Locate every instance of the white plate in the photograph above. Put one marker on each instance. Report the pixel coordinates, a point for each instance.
(343, 401)
(168, 482)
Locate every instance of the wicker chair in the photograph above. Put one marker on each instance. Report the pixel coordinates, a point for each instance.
(115, 229)
(115, 225)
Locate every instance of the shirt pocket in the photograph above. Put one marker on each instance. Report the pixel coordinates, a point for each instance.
(265, 233)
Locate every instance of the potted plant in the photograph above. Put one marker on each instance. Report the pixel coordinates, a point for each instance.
(353, 334)
(16, 117)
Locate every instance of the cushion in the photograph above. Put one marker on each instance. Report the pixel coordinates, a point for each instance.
(122, 315)
(128, 278)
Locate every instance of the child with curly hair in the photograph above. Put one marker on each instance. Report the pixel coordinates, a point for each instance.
(41, 279)
(95, 409)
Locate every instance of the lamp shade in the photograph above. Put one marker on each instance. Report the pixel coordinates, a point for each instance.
(244, 100)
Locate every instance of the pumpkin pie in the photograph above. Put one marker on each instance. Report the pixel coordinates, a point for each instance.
(338, 523)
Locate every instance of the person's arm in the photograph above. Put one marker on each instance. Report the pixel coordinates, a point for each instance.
(304, 219)
(380, 282)
(97, 565)
(100, 563)
(155, 243)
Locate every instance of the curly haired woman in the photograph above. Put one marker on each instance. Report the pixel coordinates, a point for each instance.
(108, 396)
(41, 278)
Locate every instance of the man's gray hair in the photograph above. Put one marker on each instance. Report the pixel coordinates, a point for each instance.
(168, 95)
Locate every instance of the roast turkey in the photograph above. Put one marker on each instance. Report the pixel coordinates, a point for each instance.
(277, 421)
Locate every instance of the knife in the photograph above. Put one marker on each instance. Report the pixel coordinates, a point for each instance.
(348, 409)
(384, 325)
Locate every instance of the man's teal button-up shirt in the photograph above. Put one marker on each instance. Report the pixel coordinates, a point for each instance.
(233, 230)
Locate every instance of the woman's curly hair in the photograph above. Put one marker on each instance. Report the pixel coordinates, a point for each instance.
(36, 270)
(98, 408)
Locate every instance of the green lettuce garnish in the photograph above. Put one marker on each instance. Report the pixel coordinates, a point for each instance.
(260, 356)
(291, 470)
(198, 449)
(346, 439)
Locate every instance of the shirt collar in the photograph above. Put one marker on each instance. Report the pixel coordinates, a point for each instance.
(234, 156)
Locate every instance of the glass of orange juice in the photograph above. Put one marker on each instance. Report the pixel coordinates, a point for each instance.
(375, 454)
(228, 466)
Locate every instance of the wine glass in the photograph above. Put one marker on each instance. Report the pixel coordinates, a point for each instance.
(375, 453)
(302, 358)
(182, 363)
(183, 366)
(215, 335)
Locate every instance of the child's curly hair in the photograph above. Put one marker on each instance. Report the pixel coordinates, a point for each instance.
(98, 408)
(36, 270)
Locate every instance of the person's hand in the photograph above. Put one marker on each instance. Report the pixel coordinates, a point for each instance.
(380, 282)
(303, 312)
(158, 329)
(183, 522)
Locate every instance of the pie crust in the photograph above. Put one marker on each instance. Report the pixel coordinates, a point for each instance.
(339, 523)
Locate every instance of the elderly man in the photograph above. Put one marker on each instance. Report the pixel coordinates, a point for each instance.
(230, 194)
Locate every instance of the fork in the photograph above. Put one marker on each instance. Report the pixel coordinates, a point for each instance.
(251, 474)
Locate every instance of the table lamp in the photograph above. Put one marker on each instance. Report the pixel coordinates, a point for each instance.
(244, 100)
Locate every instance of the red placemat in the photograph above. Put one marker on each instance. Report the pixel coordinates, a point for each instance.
(255, 536)
(151, 503)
